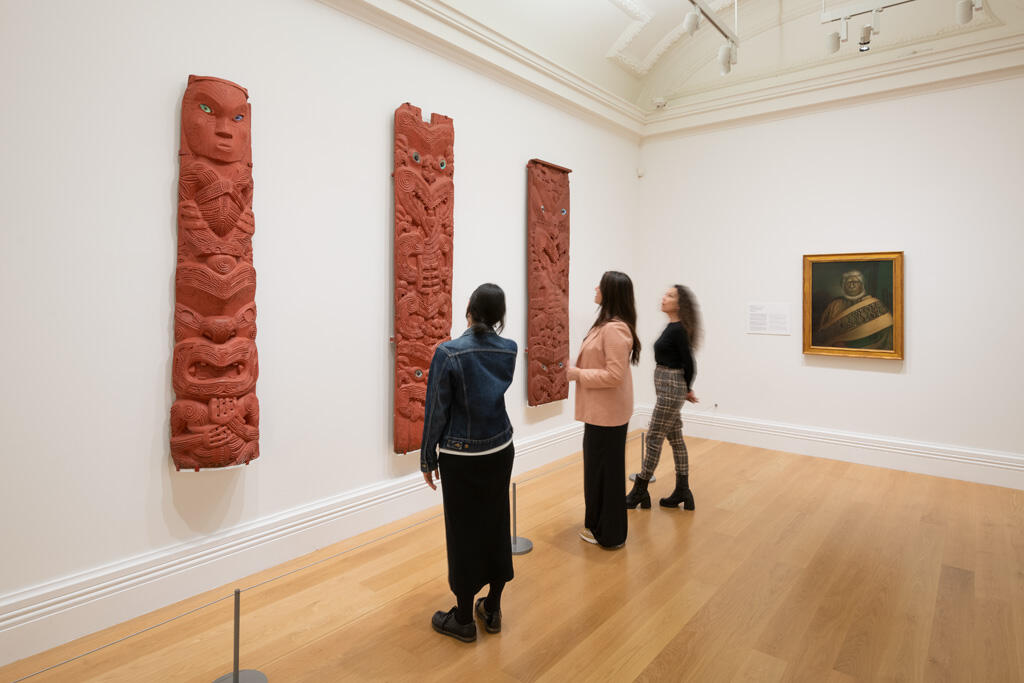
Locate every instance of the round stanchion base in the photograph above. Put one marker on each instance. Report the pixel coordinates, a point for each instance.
(521, 546)
(244, 676)
(632, 477)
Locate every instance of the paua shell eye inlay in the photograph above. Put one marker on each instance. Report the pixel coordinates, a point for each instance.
(206, 108)
(564, 212)
(418, 373)
(442, 164)
(416, 157)
(239, 117)
(542, 208)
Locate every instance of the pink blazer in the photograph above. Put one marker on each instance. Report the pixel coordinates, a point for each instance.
(604, 391)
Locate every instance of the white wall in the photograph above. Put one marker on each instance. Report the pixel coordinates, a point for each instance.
(90, 125)
(937, 176)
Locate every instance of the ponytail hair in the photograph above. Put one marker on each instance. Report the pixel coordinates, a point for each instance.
(486, 309)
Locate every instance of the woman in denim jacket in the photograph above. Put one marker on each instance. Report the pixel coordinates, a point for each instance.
(467, 444)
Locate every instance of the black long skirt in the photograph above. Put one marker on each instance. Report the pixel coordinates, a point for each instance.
(476, 518)
(604, 481)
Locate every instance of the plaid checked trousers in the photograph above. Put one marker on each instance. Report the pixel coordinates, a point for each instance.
(666, 421)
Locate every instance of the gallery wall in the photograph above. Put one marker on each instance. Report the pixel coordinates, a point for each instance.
(938, 176)
(90, 128)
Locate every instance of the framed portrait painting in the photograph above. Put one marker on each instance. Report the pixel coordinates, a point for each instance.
(853, 304)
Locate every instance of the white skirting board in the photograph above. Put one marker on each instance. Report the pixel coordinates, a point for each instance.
(49, 614)
(998, 468)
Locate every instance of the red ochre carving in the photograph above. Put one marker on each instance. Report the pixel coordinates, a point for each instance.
(547, 330)
(424, 196)
(215, 419)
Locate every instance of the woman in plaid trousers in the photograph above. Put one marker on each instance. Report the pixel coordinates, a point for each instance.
(673, 385)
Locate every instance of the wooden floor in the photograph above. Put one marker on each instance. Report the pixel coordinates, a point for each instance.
(790, 569)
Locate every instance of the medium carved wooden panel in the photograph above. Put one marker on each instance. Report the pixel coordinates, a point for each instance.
(547, 329)
(215, 417)
(424, 196)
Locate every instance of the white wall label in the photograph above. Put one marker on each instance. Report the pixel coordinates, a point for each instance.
(767, 318)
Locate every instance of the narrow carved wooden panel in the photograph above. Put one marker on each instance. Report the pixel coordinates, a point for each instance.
(215, 417)
(547, 329)
(424, 196)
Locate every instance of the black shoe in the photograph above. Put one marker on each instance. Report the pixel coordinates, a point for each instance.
(445, 623)
(492, 620)
(638, 495)
(681, 494)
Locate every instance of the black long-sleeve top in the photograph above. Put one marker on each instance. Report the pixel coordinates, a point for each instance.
(673, 351)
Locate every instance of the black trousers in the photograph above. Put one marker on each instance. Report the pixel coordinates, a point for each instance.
(604, 482)
(477, 523)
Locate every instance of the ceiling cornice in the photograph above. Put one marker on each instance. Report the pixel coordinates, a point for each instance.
(436, 27)
(956, 67)
(439, 28)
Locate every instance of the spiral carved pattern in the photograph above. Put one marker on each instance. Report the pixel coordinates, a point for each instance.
(547, 330)
(215, 417)
(424, 199)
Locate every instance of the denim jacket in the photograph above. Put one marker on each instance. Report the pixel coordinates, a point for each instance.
(466, 384)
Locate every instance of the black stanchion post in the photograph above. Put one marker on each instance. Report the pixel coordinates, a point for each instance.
(643, 450)
(247, 675)
(520, 546)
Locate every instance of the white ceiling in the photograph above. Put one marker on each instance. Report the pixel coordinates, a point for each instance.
(617, 58)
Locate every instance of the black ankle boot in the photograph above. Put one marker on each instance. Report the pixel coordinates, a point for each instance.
(682, 494)
(638, 495)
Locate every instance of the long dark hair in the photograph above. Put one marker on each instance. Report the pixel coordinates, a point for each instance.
(617, 301)
(689, 316)
(486, 308)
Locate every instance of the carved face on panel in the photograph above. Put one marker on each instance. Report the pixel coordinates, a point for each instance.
(215, 120)
(203, 369)
(216, 328)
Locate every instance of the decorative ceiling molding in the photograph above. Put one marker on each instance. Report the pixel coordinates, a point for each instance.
(641, 16)
(797, 71)
(437, 27)
(957, 67)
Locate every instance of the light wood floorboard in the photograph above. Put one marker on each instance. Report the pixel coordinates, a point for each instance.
(790, 569)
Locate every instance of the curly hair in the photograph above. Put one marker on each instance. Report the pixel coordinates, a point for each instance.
(689, 316)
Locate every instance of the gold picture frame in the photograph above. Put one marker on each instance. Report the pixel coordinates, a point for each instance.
(853, 305)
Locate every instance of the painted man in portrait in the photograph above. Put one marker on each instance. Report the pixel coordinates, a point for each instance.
(855, 319)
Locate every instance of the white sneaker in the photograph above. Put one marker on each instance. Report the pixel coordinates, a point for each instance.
(586, 535)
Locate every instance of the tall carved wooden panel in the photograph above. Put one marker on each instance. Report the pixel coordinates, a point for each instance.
(547, 329)
(215, 417)
(424, 196)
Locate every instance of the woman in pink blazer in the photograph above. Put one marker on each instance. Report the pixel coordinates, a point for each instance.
(604, 403)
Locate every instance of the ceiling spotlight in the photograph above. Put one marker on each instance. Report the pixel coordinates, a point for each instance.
(832, 43)
(965, 10)
(726, 58)
(832, 40)
(865, 38)
(692, 21)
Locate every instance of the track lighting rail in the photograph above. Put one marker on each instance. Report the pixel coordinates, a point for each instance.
(726, 32)
(853, 9)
